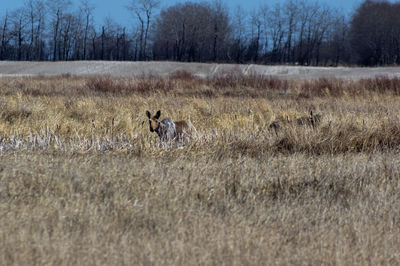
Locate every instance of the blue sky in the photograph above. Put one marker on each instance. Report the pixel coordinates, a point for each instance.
(117, 11)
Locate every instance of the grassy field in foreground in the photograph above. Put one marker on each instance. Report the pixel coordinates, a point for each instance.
(84, 181)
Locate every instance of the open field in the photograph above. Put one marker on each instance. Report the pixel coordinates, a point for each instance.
(83, 181)
(130, 69)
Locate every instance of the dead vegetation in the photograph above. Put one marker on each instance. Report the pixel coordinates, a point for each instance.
(83, 181)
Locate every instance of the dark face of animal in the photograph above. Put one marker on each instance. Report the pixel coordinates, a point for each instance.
(154, 121)
(315, 118)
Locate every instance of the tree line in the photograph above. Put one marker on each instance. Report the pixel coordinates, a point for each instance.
(300, 32)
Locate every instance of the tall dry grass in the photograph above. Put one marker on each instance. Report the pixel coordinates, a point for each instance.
(83, 181)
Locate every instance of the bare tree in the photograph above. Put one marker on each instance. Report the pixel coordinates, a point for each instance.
(143, 11)
(5, 37)
(69, 34)
(220, 28)
(177, 31)
(87, 10)
(277, 32)
(93, 52)
(291, 11)
(337, 49)
(305, 25)
(56, 9)
(257, 21)
(239, 32)
(32, 19)
(19, 32)
(293, 31)
(374, 33)
(314, 22)
(192, 32)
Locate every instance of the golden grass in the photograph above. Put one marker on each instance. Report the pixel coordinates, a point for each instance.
(83, 181)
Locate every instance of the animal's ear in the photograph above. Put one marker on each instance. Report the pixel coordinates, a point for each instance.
(148, 114)
(158, 114)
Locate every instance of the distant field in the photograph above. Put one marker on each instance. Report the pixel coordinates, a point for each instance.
(84, 181)
(129, 69)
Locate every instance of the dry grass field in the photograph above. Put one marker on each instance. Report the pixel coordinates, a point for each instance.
(84, 182)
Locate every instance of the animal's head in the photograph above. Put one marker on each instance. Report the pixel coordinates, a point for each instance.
(154, 121)
(315, 119)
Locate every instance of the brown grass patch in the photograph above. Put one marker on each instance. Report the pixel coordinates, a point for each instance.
(83, 181)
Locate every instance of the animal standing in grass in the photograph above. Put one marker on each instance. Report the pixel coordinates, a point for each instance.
(169, 130)
(312, 120)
